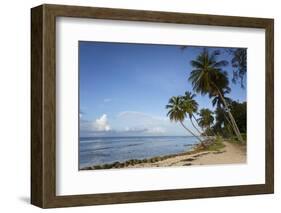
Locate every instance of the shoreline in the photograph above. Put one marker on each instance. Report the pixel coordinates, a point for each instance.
(226, 153)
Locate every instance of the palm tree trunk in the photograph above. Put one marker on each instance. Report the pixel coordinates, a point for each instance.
(210, 129)
(198, 124)
(215, 135)
(191, 132)
(200, 133)
(230, 129)
(236, 129)
(235, 126)
(228, 121)
(194, 126)
(233, 122)
(202, 130)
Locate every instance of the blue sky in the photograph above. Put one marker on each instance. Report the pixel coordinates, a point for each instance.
(124, 87)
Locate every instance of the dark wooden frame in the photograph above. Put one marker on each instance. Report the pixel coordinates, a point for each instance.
(43, 105)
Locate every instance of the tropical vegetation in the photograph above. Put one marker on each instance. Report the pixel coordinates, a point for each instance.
(208, 77)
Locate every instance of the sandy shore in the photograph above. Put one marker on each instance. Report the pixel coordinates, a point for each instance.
(231, 153)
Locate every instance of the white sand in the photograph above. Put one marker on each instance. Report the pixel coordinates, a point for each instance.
(230, 154)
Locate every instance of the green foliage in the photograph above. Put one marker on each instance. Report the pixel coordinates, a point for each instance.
(239, 64)
(189, 104)
(206, 118)
(176, 111)
(207, 76)
(223, 125)
(239, 111)
(217, 101)
(217, 145)
(234, 139)
(181, 106)
(244, 135)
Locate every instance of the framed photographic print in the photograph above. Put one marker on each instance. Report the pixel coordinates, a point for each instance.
(136, 106)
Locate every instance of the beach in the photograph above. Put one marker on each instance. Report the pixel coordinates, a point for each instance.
(230, 153)
(151, 117)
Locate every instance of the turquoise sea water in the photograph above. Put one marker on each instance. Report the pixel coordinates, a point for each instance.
(101, 150)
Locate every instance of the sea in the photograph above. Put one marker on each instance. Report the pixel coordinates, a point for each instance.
(104, 150)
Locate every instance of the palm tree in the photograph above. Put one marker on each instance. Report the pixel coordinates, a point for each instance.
(206, 119)
(177, 113)
(217, 101)
(222, 125)
(207, 77)
(191, 108)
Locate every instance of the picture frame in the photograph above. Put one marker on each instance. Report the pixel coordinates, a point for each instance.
(43, 105)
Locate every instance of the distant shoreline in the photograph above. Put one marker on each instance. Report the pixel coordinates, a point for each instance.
(231, 153)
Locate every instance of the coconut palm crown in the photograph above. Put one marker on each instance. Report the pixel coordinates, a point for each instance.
(191, 106)
(207, 77)
(206, 118)
(178, 112)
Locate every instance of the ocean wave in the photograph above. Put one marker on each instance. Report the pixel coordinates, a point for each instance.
(120, 149)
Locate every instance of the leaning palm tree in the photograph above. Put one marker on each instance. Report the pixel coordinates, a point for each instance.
(217, 101)
(207, 77)
(206, 119)
(191, 108)
(222, 125)
(177, 113)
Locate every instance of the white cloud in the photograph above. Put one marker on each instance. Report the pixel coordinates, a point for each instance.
(101, 124)
(131, 123)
